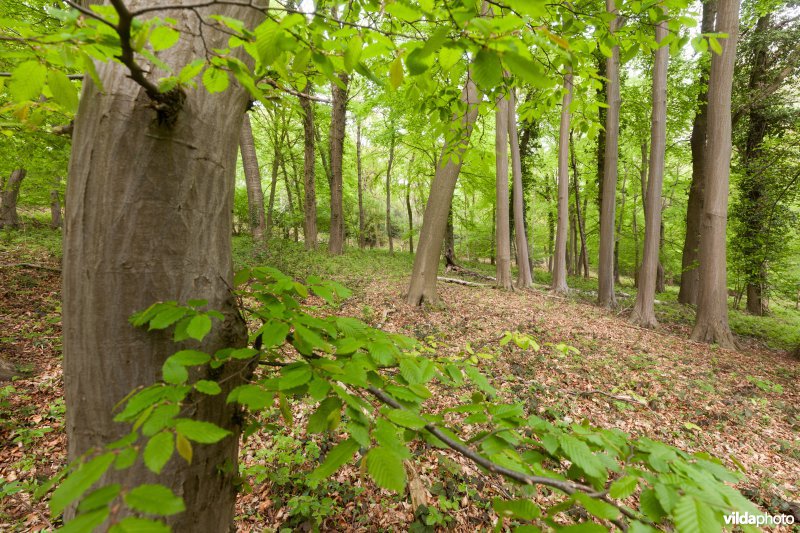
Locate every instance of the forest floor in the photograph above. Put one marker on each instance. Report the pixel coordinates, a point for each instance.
(741, 406)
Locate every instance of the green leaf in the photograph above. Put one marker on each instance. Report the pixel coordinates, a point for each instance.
(396, 72)
(623, 487)
(215, 80)
(27, 81)
(158, 451)
(85, 522)
(253, 397)
(294, 375)
(166, 317)
(648, 503)
(339, 455)
(202, 432)
(353, 53)
(163, 37)
(448, 57)
(205, 386)
(579, 453)
(518, 509)
(527, 71)
(406, 418)
(692, 515)
(198, 327)
(188, 73)
(79, 482)
(598, 508)
(327, 415)
(486, 69)
(479, 380)
(139, 525)
(154, 499)
(273, 333)
(99, 498)
(64, 92)
(184, 447)
(386, 469)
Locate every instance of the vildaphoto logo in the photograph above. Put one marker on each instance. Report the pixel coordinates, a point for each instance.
(741, 519)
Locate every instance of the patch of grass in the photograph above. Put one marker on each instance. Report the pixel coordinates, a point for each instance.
(31, 242)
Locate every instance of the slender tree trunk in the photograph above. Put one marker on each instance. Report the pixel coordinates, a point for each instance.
(582, 258)
(309, 172)
(501, 190)
(422, 287)
(338, 120)
(410, 219)
(55, 210)
(276, 163)
(607, 264)
(389, 192)
(712, 301)
(449, 242)
(174, 183)
(635, 229)
(361, 240)
(559, 281)
(660, 274)
(551, 224)
(252, 177)
(288, 186)
(524, 278)
(494, 234)
(644, 309)
(9, 193)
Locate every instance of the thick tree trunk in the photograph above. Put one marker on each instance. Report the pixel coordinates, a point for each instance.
(389, 192)
(712, 302)
(422, 287)
(607, 271)
(359, 172)
(55, 210)
(309, 172)
(175, 186)
(338, 120)
(559, 281)
(252, 177)
(9, 193)
(643, 312)
(524, 278)
(503, 238)
(690, 275)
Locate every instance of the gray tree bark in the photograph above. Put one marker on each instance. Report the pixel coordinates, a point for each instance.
(338, 122)
(712, 302)
(309, 172)
(503, 240)
(559, 281)
(9, 193)
(175, 186)
(252, 177)
(55, 210)
(410, 218)
(608, 204)
(690, 275)
(643, 312)
(524, 278)
(422, 287)
(361, 224)
(389, 192)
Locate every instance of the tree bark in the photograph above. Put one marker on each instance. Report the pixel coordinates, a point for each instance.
(276, 163)
(338, 120)
(524, 277)
(410, 218)
(252, 177)
(712, 302)
(690, 275)
(291, 224)
(174, 183)
(389, 192)
(9, 193)
(55, 210)
(422, 287)
(551, 224)
(309, 172)
(643, 312)
(559, 281)
(503, 239)
(606, 271)
(359, 172)
(449, 242)
(582, 258)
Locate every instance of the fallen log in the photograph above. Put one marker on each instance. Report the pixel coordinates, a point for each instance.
(461, 282)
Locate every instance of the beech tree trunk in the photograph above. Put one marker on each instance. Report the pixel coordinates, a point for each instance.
(559, 280)
(338, 120)
(9, 193)
(582, 259)
(175, 186)
(309, 172)
(252, 177)
(503, 238)
(551, 224)
(690, 275)
(422, 287)
(55, 210)
(389, 193)
(606, 272)
(644, 310)
(410, 218)
(712, 301)
(524, 277)
(292, 222)
(359, 172)
(276, 163)
(449, 242)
